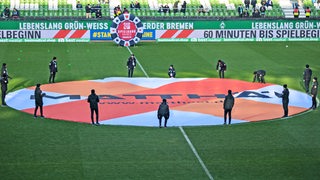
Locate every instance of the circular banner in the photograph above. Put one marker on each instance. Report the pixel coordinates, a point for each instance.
(135, 101)
(126, 30)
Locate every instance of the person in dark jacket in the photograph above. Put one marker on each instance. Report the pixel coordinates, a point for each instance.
(4, 88)
(247, 4)
(227, 106)
(314, 92)
(240, 10)
(175, 6)
(53, 67)
(259, 76)
(285, 100)
(183, 7)
(131, 64)
(98, 13)
(79, 6)
(6, 13)
(88, 11)
(221, 67)
(4, 70)
(172, 72)
(163, 111)
(38, 95)
(307, 74)
(253, 3)
(93, 99)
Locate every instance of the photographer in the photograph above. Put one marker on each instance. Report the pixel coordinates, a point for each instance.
(259, 76)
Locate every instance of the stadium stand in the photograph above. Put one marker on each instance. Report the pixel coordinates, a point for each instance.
(35, 9)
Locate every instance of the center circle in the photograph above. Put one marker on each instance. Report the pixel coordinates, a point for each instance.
(135, 101)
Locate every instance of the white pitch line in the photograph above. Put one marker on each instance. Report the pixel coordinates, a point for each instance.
(196, 153)
(145, 73)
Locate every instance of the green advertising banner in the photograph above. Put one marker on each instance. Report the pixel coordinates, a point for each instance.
(163, 25)
(163, 31)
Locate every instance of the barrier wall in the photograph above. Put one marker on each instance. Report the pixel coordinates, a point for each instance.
(163, 31)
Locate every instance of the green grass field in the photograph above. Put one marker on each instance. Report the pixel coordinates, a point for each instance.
(49, 149)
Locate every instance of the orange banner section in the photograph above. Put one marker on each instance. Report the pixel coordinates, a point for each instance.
(83, 88)
(243, 109)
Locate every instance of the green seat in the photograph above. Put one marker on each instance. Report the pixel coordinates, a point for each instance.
(273, 14)
(22, 14)
(107, 14)
(27, 13)
(55, 13)
(153, 13)
(31, 14)
(81, 13)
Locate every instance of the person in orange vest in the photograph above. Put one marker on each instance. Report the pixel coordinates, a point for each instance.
(308, 12)
(296, 12)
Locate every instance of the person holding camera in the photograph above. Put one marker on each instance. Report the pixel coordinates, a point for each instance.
(131, 64)
(172, 72)
(221, 67)
(53, 67)
(259, 76)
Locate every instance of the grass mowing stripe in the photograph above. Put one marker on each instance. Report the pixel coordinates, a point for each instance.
(196, 153)
(145, 73)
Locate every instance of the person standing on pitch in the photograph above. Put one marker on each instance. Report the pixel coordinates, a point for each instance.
(93, 99)
(285, 100)
(4, 88)
(227, 106)
(131, 64)
(163, 111)
(172, 72)
(314, 92)
(53, 67)
(4, 70)
(307, 74)
(38, 95)
(221, 67)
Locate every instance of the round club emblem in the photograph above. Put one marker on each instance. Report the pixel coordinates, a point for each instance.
(126, 30)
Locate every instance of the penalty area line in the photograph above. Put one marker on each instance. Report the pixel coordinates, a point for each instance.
(196, 153)
(145, 73)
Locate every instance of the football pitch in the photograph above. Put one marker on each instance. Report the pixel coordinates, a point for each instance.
(49, 149)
